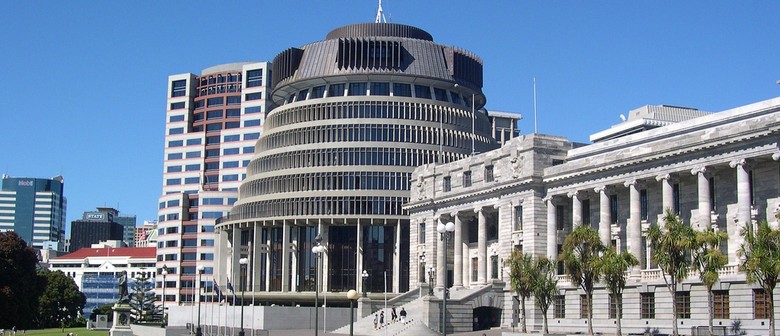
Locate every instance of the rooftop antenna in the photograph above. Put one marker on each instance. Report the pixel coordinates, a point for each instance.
(535, 129)
(380, 15)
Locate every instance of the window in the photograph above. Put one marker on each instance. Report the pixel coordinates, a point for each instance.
(207, 242)
(173, 181)
(213, 201)
(357, 89)
(559, 308)
(676, 197)
(336, 90)
(216, 114)
(251, 136)
(230, 151)
(455, 98)
(585, 212)
(317, 92)
(253, 109)
(229, 178)
(254, 78)
(233, 113)
(231, 138)
(489, 173)
(683, 304)
(216, 101)
(647, 305)
(192, 167)
(494, 267)
(380, 89)
(466, 178)
(230, 164)
(422, 91)
(213, 127)
(250, 123)
(249, 149)
(207, 256)
(613, 209)
(174, 156)
(198, 104)
(559, 212)
(474, 269)
(402, 90)
(177, 106)
(191, 142)
(613, 306)
(179, 88)
(253, 96)
(712, 194)
(761, 302)
(234, 100)
(421, 233)
(720, 304)
(192, 180)
(643, 203)
(440, 94)
(518, 218)
(177, 130)
(302, 94)
(584, 305)
(176, 118)
(194, 154)
(175, 143)
(447, 183)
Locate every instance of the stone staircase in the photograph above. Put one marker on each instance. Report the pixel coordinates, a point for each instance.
(414, 321)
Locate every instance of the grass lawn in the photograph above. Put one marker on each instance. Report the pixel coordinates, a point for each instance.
(58, 332)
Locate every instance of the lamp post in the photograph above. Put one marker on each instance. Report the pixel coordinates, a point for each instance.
(352, 295)
(431, 274)
(243, 262)
(198, 331)
(364, 275)
(164, 272)
(446, 232)
(317, 249)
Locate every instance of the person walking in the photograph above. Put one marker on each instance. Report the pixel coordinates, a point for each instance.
(393, 315)
(376, 320)
(403, 315)
(381, 319)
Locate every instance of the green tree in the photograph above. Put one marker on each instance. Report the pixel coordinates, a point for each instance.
(142, 299)
(521, 267)
(19, 287)
(106, 309)
(671, 247)
(545, 286)
(760, 255)
(708, 260)
(580, 254)
(613, 267)
(60, 302)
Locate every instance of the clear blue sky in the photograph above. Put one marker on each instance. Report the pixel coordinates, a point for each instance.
(83, 82)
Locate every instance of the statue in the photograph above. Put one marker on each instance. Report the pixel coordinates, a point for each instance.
(124, 297)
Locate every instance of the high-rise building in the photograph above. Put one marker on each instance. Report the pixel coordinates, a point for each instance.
(34, 208)
(212, 123)
(128, 228)
(355, 114)
(143, 232)
(94, 227)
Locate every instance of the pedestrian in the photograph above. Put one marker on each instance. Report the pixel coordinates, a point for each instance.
(393, 315)
(403, 315)
(376, 319)
(381, 319)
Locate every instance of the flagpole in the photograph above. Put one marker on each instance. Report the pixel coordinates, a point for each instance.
(535, 130)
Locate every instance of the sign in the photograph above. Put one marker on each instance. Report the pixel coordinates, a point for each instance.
(26, 183)
(94, 216)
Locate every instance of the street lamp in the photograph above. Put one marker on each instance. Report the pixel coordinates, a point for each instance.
(352, 295)
(446, 233)
(317, 249)
(431, 274)
(164, 273)
(364, 275)
(198, 331)
(243, 262)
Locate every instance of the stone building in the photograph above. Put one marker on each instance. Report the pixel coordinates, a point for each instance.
(715, 170)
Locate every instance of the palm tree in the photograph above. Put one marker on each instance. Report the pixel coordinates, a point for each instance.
(708, 260)
(613, 268)
(521, 267)
(671, 246)
(760, 255)
(580, 253)
(545, 287)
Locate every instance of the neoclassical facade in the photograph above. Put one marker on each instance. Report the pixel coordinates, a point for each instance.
(354, 115)
(716, 170)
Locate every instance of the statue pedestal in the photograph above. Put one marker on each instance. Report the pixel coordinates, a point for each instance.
(121, 325)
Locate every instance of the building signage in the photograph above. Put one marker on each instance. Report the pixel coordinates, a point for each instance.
(26, 183)
(94, 216)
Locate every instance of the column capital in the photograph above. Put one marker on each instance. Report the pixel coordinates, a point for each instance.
(631, 183)
(548, 199)
(477, 210)
(699, 170)
(601, 189)
(454, 214)
(776, 156)
(573, 194)
(662, 177)
(738, 162)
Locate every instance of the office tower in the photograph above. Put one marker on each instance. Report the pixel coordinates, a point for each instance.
(355, 114)
(34, 208)
(128, 228)
(142, 233)
(94, 227)
(212, 123)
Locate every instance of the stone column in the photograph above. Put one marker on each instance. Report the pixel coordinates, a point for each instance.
(481, 247)
(324, 261)
(396, 258)
(294, 250)
(268, 261)
(634, 225)
(235, 268)
(552, 230)
(458, 247)
(705, 208)
(667, 193)
(743, 206)
(285, 256)
(257, 244)
(359, 257)
(441, 268)
(605, 223)
(576, 209)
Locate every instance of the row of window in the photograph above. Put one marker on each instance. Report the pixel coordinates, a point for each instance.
(193, 202)
(185, 229)
(327, 181)
(310, 206)
(213, 140)
(197, 179)
(359, 156)
(185, 243)
(380, 89)
(371, 110)
(488, 176)
(186, 256)
(720, 305)
(209, 154)
(369, 132)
